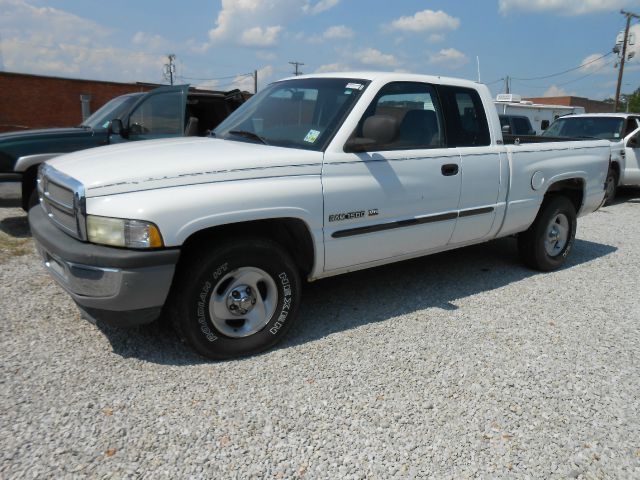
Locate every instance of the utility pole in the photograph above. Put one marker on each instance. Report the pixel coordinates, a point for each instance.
(629, 16)
(507, 87)
(170, 68)
(297, 64)
(1, 57)
(255, 81)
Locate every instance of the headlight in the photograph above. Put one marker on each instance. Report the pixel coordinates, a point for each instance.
(120, 232)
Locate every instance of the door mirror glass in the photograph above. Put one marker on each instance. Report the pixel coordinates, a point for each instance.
(634, 141)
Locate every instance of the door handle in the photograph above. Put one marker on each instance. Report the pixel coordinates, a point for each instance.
(450, 169)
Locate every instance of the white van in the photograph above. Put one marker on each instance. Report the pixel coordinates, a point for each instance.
(540, 115)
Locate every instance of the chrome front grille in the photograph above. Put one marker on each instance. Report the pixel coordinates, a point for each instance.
(62, 197)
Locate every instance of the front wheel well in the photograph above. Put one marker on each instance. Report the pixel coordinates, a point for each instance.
(572, 188)
(29, 178)
(615, 166)
(291, 233)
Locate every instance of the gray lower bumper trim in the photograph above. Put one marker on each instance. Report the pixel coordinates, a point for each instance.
(114, 289)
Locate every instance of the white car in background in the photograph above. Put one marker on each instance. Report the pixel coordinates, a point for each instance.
(622, 129)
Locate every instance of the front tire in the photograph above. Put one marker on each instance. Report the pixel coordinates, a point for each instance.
(238, 299)
(547, 243)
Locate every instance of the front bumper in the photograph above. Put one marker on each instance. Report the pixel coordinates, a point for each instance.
(120, 287)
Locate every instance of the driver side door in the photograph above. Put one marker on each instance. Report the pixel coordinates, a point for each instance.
(158, 114)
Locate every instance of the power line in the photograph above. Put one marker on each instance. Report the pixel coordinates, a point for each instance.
(564, 71)
(597, 70)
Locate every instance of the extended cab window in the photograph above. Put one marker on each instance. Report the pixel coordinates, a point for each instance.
(466, 120)
(417, 111)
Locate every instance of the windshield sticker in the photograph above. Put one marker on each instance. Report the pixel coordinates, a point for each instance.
(616, 135)
(355, 86)
(312, 136)
(106, 124)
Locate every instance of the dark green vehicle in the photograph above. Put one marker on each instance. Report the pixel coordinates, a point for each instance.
(161, 113)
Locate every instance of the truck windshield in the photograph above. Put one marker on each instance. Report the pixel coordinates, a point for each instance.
(100, 119)
(298, 113)
(609, 128)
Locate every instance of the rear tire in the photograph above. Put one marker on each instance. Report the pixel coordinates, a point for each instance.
(547, 243)
(611, 187)
(237, 299)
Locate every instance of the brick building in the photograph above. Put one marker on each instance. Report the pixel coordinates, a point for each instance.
(35, 101)
(590, 106)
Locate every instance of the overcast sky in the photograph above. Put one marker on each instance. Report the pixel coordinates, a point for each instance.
(217, 41)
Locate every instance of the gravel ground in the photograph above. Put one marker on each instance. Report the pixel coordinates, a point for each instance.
(458, 365)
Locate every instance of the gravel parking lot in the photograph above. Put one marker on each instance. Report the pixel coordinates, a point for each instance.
(459, 365)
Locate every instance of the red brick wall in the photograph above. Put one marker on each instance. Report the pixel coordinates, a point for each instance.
(590, 106)
(32, 101)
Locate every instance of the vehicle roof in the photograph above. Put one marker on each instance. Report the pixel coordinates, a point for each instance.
(391, 76)
(615, 115)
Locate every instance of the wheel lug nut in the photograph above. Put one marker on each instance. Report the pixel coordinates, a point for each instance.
(233, 307)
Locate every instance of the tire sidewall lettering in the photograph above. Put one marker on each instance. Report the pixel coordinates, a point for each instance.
(203, 301)
(287, 298)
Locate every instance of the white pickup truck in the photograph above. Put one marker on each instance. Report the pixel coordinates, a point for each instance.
(621, 129)
(314, 176)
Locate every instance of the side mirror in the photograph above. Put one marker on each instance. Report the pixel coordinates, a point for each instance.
(377, 131)
(116, 127)
(633, 142)
(506, 129)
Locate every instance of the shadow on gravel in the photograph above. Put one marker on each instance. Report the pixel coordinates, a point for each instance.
(374, 295)
(10, 202)
(627, 195)
(17, 227)
(155, 343)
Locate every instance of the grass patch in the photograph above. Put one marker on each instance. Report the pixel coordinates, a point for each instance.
(11, 247)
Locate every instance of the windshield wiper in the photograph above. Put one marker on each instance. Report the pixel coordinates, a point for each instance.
(250, 135)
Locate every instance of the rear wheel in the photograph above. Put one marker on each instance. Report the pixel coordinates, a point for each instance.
(547, 243)
(238, 299)
(611, 186)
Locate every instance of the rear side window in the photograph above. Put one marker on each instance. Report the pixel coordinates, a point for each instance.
(632, 125)
(465, 119)
(521, 126)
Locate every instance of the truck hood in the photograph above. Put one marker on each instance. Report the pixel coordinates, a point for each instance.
(169, 163)
(43, 133)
